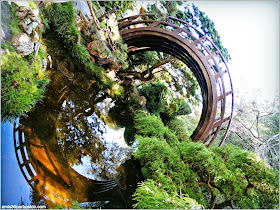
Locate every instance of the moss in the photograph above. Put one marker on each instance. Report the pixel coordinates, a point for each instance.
(192, 169)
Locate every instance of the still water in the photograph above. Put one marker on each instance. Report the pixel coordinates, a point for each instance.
(70, 147)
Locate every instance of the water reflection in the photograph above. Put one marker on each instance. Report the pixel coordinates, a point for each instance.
(74, 150)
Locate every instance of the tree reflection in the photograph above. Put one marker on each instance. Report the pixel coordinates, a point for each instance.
(67, 127)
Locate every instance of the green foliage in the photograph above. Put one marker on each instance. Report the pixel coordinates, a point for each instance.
(171, 6)
(151, 195)
(193, 16)
(22, 83)
(63, 25)
(178, 126)
(228, 175)
(124, 6)
(119, 49)
(154, 93)
(161, 103)
(32, 4)
(208, 27)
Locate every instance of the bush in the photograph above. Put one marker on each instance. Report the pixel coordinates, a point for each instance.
(161, 103)
(154, 93)
(215, 177)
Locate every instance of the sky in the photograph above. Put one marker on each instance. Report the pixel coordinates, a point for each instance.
(250, 32)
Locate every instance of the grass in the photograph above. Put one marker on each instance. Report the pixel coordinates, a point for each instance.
(22, 83)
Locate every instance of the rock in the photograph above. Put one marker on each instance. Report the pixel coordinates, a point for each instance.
(22, 44)
(35, 19)
(27, 25)
(92, 48)
(34, 25)
(22, 9)
(30, 12)
(23, 25)
(26, 21)
(21, 14)
(50, 61)
(142, 101)
(34, 37)
(36, 12)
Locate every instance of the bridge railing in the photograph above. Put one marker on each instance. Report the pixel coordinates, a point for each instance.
(24, 162)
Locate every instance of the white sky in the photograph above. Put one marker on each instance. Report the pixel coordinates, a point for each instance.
(250, 31)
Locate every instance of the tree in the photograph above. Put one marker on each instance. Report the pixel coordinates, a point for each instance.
(255, 126)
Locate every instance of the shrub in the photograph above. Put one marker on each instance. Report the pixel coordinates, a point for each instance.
(154, 93)
(215, 177)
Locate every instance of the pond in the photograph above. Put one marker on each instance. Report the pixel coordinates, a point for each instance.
(70, 148)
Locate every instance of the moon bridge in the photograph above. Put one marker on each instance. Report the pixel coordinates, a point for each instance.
(178, 38)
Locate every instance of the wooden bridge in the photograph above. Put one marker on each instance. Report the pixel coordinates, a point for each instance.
(176, 37)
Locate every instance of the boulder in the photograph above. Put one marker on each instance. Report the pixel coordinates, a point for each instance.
(23, 24)
(21, 12)
(29, 23)
(22, 44)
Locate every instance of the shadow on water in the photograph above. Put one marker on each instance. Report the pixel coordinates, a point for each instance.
(78, 153)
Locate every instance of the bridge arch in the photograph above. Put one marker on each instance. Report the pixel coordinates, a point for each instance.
(176, 37)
